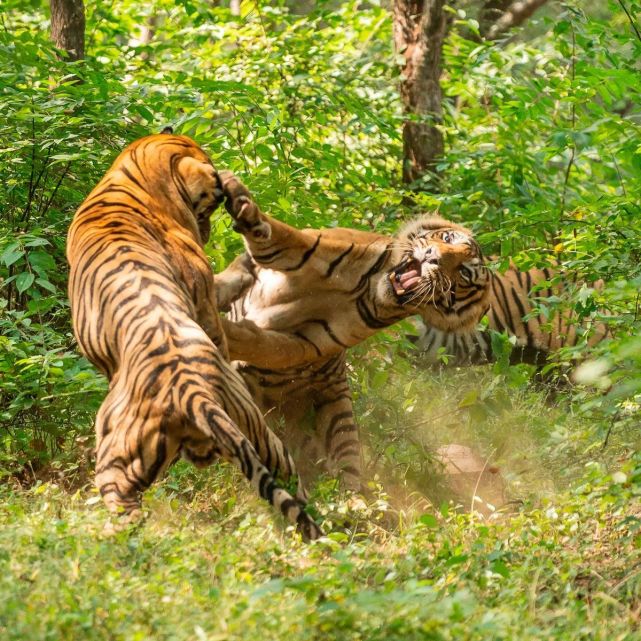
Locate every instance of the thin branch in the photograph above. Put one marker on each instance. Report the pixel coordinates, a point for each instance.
(33, 186)
(490, 12)
(613, 420)
(515, 15)
(616, 166)
(631, 19)
(55, 189)
(31, 190)
(573, 152)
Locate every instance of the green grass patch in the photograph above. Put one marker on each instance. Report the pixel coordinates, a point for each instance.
(211, 562)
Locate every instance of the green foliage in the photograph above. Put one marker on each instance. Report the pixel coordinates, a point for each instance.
(542, 160)
(297, 103)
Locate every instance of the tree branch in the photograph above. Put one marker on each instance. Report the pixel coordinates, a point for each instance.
(517, 13)
(631, 21)
(490, 12)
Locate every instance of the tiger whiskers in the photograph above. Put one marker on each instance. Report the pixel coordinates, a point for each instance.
(427, 291)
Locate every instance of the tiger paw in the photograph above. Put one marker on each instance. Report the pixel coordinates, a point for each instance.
(248, 219)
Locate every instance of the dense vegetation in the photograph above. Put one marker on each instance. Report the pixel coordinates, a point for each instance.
(542, 159)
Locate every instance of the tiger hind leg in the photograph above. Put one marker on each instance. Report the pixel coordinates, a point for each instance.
(226, 441)
(338, 431)
(239, 405)
(134, 448)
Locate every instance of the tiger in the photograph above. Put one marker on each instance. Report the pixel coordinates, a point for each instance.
(298, 299)
(144, 313)
(535, 337)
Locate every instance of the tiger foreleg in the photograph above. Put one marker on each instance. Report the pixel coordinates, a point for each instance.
(271, 349)
(268, 241)
(233, 282)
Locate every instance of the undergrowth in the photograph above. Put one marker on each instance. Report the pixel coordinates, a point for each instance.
(212, 563)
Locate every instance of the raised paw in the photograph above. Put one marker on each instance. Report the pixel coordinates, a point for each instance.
(248, 219)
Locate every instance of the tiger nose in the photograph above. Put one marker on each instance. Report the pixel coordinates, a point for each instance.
(431, 256)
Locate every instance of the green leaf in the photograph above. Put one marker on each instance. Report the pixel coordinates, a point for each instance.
(264, 152)
(24, 281)
(456, 559)
(145, 113)
(42, 262)
(498, 567)
(284, 204)
(469, 399)
(45, 284)
(37, 242)
(11, 254)
(429, 519)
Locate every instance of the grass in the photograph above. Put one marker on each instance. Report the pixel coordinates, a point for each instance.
(212, 562)
(211, 568)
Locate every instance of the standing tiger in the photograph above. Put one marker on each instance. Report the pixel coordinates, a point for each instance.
(535, 336)
(300, 298)
(144, 312)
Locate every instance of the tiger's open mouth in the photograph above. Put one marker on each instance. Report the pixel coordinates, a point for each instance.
(416, 282)
(406, 277)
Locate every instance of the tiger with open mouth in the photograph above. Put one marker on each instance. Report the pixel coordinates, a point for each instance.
(298, 299)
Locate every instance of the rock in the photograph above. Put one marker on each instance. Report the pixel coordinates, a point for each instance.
(474, 481)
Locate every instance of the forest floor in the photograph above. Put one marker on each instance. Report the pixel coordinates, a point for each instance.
(212, 562)
(209, 567)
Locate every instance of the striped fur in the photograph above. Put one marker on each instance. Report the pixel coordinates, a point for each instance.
(144, 312)
(511, 301)
(300, 298)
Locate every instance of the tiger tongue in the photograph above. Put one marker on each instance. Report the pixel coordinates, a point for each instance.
(409, 279)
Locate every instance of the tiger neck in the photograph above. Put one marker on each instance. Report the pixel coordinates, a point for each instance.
(164, 208)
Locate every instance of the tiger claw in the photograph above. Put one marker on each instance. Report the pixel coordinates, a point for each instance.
(245, 212)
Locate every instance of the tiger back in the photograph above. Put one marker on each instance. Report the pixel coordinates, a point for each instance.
(144, 312)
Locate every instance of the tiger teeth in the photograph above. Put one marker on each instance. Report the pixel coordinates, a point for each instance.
(395, 279)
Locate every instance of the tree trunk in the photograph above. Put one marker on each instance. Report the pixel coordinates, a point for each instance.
(234, 6)
(420, 27)
(68, 27)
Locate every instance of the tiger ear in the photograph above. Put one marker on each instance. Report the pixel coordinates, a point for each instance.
(167, 130)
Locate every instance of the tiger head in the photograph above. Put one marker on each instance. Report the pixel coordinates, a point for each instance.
(177, 175)
(438, 273)
(202, 190)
